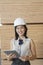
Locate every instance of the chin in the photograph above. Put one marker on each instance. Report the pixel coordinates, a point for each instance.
(21, 35)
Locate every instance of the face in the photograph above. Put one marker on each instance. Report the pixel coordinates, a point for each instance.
(20, 30)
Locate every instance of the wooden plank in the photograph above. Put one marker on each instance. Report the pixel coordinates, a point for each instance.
(7, 35)
(34, 31)
(18, 1)
(31, 11)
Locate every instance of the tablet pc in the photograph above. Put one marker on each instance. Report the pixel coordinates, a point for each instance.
(12, 52)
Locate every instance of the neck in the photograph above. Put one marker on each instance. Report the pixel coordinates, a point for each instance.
(21, 37)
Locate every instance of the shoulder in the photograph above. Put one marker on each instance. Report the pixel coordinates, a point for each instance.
(12, 40)
(32, 42)
(28, 39)
(12, 43)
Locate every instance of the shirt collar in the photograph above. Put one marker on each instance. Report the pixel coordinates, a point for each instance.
(22, 39)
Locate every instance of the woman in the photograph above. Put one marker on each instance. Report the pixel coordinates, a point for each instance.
(22, 44)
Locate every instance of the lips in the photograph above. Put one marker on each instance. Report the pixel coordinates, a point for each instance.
(20, 32)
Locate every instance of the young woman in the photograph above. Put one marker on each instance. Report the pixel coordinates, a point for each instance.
(22, 44)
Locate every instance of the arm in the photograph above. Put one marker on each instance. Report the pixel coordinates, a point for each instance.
(12, 47)
(33, 53)
(33, 50)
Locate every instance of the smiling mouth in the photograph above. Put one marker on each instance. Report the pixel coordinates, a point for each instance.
(20, 32)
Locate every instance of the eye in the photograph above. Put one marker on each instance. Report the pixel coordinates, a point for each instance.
(20, 27)
(17, 28)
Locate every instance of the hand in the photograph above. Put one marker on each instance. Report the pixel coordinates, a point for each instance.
(24, 58)
(11, 56)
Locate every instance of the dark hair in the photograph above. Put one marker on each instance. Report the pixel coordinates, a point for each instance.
(25, 34)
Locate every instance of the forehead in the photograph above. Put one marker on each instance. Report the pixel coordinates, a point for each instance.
(20, 26)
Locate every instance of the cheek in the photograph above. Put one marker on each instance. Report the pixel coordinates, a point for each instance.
(23, 30)
(20, 30)
(16, 30)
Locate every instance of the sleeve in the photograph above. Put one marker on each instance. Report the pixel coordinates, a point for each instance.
(12, 45)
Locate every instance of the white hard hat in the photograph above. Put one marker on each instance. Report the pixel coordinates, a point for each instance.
(19, 21)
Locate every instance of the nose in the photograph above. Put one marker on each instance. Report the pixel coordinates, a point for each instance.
(20, 30)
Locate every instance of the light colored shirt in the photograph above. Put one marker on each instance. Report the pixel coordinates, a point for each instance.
(23, 49)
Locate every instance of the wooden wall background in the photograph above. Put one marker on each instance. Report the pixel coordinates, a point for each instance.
(32, 12)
